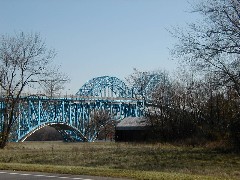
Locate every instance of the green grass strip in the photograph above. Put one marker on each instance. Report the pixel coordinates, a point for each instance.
(118, 173)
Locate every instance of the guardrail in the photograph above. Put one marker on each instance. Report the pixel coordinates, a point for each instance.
(75, 97)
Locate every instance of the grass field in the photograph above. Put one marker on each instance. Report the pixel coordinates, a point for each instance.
(131, 160)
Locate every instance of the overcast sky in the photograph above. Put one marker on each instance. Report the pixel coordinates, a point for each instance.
(100, 37)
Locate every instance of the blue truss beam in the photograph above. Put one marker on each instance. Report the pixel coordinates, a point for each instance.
(69, 116)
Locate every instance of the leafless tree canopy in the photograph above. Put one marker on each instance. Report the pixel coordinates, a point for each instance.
(101, 124)
(24, 60)
(54, 82)
(213, 45)
(144, 84)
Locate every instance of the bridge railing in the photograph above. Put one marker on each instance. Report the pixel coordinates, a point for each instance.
(77, 97)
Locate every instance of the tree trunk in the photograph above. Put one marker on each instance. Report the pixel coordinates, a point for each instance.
(4, 139)
(7, 124)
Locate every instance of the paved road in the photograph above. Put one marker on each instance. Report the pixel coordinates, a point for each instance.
(20, 175)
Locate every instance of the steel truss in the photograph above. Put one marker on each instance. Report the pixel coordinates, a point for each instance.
(105, 86)
(70, 117)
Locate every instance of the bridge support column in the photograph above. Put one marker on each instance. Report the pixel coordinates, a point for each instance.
(63, 111)
(39, 112)
(70, 113)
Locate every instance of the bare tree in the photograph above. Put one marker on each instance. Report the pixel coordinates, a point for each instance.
(144, 84)
(54, 82)
(100, 122)
(24, 60)
(213, 45)
(138, 80)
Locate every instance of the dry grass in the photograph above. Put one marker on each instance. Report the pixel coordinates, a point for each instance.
(124, 159)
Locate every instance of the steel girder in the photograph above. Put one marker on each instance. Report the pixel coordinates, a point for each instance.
(70, 116)
(105, 86)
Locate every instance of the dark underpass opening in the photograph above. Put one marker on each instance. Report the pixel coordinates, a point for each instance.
(46, 133)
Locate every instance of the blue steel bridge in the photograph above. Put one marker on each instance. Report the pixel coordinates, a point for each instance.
(71, 115)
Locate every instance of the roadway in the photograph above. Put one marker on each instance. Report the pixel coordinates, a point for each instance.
(21, 175)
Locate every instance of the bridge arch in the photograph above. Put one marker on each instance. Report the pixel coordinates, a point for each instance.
(68, 132)
(105, 86)
(72, 116)
(150, 84)
(155, 81)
